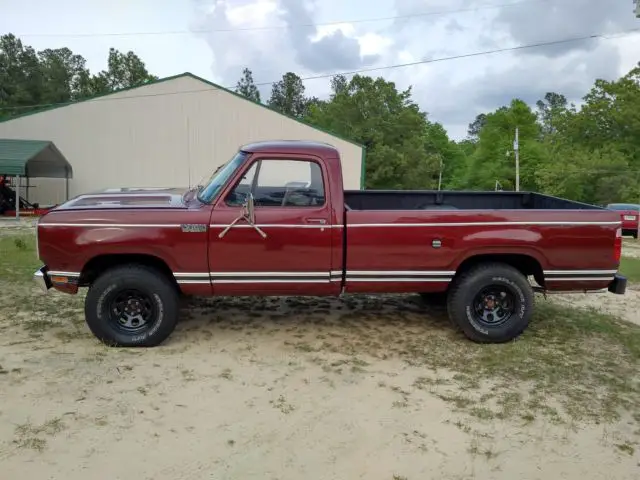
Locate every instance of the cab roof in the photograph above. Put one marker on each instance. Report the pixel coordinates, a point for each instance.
(291, 146)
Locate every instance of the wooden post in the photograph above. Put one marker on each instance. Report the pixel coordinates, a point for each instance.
(17, 197)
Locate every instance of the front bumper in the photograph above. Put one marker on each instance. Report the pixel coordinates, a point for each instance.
(618, 285)
(42, 279)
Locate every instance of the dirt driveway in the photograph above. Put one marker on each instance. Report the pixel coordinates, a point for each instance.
(292, 388)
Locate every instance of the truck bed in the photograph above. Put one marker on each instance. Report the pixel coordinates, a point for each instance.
(455, 200)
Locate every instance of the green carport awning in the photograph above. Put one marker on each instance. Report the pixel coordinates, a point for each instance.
(33, 158)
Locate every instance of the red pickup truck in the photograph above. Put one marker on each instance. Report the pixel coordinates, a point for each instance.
(275, 220)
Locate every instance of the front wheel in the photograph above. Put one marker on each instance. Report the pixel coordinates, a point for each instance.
(132, 306)
(491, 303)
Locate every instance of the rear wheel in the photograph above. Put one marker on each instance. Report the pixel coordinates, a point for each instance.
(132, 306)
(491, 303)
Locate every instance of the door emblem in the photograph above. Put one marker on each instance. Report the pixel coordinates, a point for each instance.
(193, 227)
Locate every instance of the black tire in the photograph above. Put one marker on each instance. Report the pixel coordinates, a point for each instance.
(473, 289)
(154, 295)
(434, 298)
(635, 235)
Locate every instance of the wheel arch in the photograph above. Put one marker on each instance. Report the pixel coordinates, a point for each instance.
(99, 264)
(525, 263)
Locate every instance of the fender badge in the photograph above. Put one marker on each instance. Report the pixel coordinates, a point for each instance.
(193, 227)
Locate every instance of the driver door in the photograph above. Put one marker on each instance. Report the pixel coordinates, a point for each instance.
(292, 208)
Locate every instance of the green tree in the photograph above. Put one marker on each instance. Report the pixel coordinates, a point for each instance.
(247, 87)
(476, 126)
(65, 76)
(21, 82)
(390, 125)
(339, 84)
(437, 144)
(30, 80)
(123, 71)
(287, 96)
(599, 176)
(610, 116)
(551, 112)
(494, 159)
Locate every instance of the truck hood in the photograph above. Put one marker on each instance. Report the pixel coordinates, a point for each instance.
(122, 198)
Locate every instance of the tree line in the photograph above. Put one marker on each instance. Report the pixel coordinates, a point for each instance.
(54, 76)
(589, 153)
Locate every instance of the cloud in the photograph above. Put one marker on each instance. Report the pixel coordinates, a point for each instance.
(331, 52)
(294, 45)
(544, 20)
(452, 92)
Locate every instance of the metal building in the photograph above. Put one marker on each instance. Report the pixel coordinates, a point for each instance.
(168, 133)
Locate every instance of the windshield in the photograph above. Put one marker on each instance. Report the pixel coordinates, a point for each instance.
(207, 190)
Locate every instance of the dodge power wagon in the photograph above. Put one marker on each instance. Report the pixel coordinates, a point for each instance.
(275, 220)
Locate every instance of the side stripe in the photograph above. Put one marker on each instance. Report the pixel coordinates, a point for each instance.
(580, 279)
(480, 224)
(399, 279)
(111, 225)
(351, 225)
(580, 272)
(400, 273)
(314, 277)
(269, 274)
(579, 275)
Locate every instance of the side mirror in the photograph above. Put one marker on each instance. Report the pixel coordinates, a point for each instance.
(248, 214)
(249, 207)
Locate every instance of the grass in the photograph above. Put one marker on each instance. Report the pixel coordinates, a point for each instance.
(626, 448)
(30, 436)
(282, 405)
(18, 258)
(630, 267)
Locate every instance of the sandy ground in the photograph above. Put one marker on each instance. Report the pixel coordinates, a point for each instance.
(625, 306)
(283, 389)
(276, 392)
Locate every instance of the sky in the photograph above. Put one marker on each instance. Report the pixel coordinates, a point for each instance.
(216, 39)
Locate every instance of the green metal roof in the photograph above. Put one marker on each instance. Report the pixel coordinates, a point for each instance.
(33, 158)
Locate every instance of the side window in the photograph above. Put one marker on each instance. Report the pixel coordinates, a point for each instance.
(238, 195)
(281, 183)
(289, 183)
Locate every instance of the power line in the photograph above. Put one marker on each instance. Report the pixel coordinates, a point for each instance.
(470, 55)
(283, 27)
(353, 72)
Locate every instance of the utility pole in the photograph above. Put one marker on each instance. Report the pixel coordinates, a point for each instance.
(440, 176)
(516, 148)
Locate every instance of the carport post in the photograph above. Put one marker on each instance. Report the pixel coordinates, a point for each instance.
(17, 197)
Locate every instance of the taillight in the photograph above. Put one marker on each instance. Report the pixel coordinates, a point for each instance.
(617, 250)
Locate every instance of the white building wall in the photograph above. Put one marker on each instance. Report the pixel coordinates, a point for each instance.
(168, 134)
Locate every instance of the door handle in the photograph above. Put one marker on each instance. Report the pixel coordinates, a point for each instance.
(321, 221)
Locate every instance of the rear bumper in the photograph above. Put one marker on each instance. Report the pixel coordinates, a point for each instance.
(618, 285)
(41, 278)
